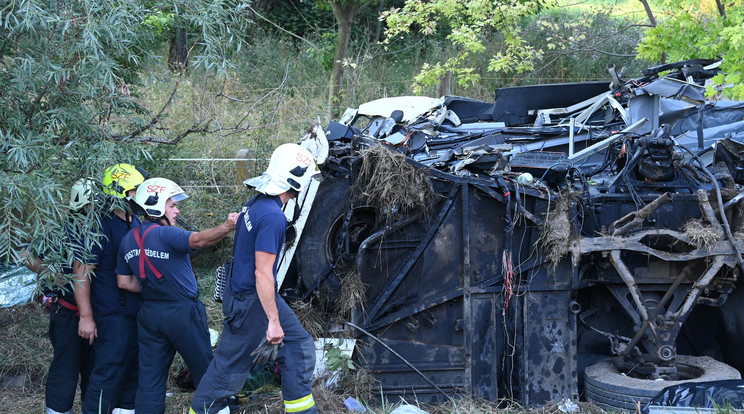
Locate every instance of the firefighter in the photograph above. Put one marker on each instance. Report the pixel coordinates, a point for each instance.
(154, 260)
(253, 309)
(72, 359)
(112, 327)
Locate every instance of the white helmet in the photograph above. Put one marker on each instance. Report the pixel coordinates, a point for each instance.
(82, 193)
(153, 193)
(291, 168)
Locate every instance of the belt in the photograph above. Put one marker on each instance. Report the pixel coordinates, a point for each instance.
(48, 300)
(68, 305)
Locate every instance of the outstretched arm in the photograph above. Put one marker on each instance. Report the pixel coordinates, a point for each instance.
(210, 237)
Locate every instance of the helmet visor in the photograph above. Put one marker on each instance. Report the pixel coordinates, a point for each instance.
(268, 184)
(179, 197)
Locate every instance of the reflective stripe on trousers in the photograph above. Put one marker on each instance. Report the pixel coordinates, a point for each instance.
(225, 410)
(300, 404)
(243, 328)
(50, 411)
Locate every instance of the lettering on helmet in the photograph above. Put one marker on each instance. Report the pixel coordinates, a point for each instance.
(120, 175)
(153, 188)
(303, 159)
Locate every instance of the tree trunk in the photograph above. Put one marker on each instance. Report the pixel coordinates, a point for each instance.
(178, 54)
(721, 8)
(445, 84)
(652, 20)
(378, 30)
(344, 11)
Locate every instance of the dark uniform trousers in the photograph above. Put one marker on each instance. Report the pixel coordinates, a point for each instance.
(243, 329)
(72, 360)
(113, 382)
(167, 322)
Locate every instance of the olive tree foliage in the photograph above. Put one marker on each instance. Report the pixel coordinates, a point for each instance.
(468, 24)
(694, 29)
(71, 74)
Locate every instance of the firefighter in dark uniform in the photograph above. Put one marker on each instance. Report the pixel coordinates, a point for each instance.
(253, 308)
(72, 359)
(112, 328)
(154, 260)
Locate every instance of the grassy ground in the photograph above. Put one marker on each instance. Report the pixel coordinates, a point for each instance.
(25, 353)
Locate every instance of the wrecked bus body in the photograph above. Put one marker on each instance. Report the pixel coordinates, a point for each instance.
(576, 241)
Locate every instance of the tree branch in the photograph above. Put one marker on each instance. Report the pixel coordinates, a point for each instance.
(34, 104)
(602, 52)
(282, 29)
(261, 99)
(649, 13)
(157, 117)
(594, 48)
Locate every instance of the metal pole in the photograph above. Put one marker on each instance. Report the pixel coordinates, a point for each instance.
(571, 125)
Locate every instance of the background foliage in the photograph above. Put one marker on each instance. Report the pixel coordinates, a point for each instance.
(85, 84)
(74, 99)
(700, 30)
(88, 83)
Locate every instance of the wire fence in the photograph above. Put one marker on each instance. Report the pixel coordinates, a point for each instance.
(214, 186)
(215, 173)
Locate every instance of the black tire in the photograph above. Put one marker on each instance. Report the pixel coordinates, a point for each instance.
(316, 251)
(609, 389)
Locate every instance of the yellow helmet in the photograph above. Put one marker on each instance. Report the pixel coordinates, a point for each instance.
(120, 178)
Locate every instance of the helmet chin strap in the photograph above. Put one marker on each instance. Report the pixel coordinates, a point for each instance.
(157, 220)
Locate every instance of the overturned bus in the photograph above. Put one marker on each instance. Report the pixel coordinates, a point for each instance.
(578, 241)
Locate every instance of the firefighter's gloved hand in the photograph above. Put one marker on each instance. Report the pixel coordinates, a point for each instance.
(265, 352)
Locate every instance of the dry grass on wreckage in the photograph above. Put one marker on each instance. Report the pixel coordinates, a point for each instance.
(352, 293)
(556, 232)
(702, 235)
(394, 185)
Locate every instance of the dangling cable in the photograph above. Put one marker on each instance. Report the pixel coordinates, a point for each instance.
(506, 256)
(506, 263)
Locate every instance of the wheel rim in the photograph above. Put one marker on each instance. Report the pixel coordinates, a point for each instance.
(361, 226)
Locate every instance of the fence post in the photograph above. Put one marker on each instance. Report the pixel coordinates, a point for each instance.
(244, 156)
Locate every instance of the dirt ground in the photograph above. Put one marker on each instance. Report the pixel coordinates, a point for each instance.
(25, 353)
